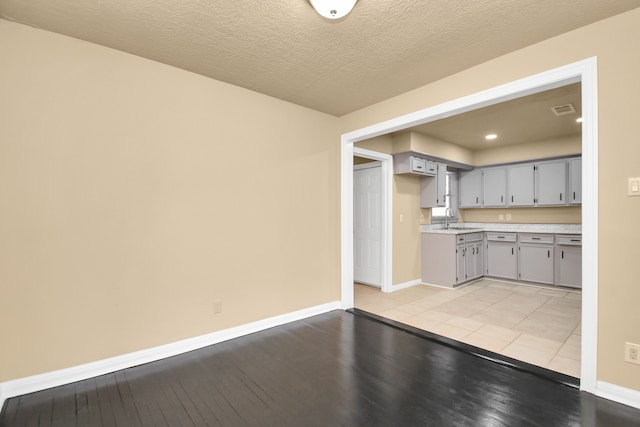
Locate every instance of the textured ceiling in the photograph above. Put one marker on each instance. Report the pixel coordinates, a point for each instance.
(525, 119)
(284, 49)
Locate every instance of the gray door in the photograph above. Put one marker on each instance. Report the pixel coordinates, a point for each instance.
(569, 259)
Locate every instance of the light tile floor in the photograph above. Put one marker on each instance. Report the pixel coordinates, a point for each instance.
(534, 324)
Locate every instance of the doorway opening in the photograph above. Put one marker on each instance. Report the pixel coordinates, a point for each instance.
(584, 72)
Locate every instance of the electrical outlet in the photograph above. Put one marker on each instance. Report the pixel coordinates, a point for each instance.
(217, 307)
(500, 217)
(508, 217)
(421, 217)
(632, 353)
(401, 217)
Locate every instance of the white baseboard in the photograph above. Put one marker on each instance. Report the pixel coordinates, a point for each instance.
(623, 395)
(35, 383)
(404, 285)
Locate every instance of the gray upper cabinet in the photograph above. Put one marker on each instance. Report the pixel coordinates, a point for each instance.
(551, 183)
(520, 185)
(470, 195)
(406, 163)
(494, 186)
(433, 189)
(575, 181)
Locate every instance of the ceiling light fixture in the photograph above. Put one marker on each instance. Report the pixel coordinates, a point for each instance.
(491, 136)
(333, 9)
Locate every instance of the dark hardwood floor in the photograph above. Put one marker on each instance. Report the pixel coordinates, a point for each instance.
(337, 369)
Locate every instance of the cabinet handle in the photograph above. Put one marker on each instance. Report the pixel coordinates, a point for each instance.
(501, 199)
(549, 253)
(512, 198)
(562, 254)
(511, 251)
(500, 237)
(476, 200)
(575, 240)
(574, 195)
(535, 238)
(560, 196)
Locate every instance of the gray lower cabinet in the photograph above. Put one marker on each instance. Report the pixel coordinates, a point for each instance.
(569, 261)
(439, 255)
(451, 259)
(502, 257)
(535, 258)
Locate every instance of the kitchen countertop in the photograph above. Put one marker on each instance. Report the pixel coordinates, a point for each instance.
(472, 227)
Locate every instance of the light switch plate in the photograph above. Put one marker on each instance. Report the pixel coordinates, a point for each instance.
(634, 187)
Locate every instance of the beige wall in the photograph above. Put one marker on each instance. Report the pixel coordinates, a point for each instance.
(556, 215)
(527, 151)
(439, 148)
(135, 194)
(619, 151)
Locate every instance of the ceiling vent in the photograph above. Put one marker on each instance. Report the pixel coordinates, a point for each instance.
(561, 110)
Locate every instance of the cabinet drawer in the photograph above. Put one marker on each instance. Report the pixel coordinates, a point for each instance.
(431, 168)
(460, 238)
(536, 238)
(575, 240)
(418, 165)
(473, 237)
(501, 237)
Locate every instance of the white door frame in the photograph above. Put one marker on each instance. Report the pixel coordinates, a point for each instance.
(386, 164)
(584, 71)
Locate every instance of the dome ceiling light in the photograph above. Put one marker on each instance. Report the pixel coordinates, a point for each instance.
(333, 9)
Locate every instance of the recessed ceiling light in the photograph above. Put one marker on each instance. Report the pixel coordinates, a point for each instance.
(579, 120)
(491, 136)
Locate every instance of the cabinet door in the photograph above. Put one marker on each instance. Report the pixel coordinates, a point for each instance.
(470, 195)
(479, 260)
(551, 183)
(494, 187)
(569, 262)
(434, 188)
(441, 184)
(536, 263)
(575, 181)
(520, 189)
(502, 260)
(473, 260)
(461, 274)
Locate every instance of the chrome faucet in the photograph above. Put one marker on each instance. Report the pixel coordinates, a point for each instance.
(447, 212)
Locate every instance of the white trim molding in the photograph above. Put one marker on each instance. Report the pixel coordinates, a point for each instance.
(584, 71)
(404, 285)
(82, 372)
(623, 395)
